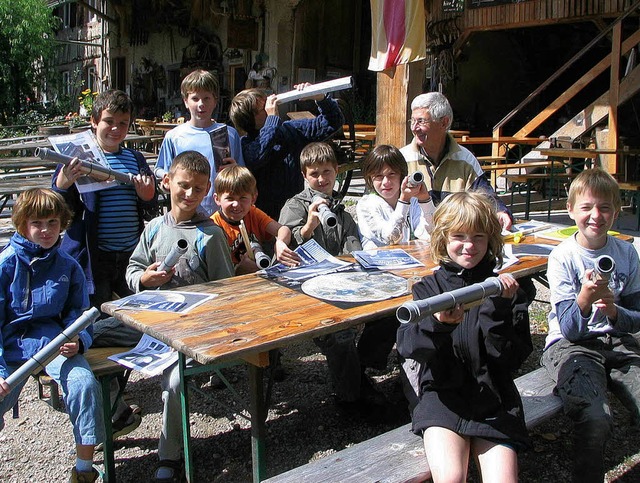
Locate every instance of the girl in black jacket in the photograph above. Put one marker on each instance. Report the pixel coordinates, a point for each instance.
(467, 401)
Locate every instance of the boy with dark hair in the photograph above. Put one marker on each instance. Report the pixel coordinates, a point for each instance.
(107, 225)
(591, 345)
(200, 93)
(235, 193)
(354, 391)
(206, 259)
(44, 292)
(272, 148)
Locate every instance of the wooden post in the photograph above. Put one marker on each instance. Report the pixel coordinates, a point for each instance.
(396, 89)
(610, 162)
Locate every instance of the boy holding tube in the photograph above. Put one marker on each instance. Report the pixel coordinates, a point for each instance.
(337, 233)
(44, 292)
(591, 345)
(205, 259)
(235, 193)
(107, 225)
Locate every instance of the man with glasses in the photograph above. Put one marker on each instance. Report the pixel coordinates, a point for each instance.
(447, 166)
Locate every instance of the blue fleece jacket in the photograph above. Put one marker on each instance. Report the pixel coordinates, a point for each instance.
(43, 292)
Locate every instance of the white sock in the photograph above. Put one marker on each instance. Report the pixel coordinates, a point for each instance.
(84, 466)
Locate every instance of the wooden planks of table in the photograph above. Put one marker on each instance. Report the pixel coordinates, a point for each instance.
(252, 315)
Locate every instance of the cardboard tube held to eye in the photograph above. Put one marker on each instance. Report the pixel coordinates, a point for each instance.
(96, 171)
(418, 309)
(179, 249)
(45, 355)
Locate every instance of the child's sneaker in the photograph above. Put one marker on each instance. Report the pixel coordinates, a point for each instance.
(83, 476)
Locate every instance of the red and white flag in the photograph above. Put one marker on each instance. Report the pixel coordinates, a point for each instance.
(397, 33)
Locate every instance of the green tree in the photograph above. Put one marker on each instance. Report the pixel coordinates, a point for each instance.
(26, 43)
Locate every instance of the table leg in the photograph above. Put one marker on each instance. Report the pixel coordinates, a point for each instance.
(186, 430)
(258, 419)
(107, 447)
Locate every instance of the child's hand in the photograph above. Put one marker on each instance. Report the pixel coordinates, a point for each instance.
(271, 105)
(303, 86)
(285, 255)
(313, 218)
(453, 316)
(152, 278)
(246, 265)
(407, 191)
(70, 349)
(69, 174)
(145, 186)
(226, 162)
(594, 292)
(509, 285)
(4, 388)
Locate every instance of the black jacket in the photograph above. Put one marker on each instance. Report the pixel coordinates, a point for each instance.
(466, 382)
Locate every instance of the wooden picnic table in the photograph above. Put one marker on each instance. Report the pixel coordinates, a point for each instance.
(252, 315)
(499, 140)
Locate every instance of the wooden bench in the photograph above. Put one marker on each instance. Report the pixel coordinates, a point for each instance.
(398, 455)
(105, 371)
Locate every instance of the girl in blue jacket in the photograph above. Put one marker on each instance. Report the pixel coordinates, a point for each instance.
(42, 292)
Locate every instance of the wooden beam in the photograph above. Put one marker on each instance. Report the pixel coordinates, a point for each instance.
(610, 161)
(396, 89)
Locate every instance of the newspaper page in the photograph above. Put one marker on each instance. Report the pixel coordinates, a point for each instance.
(315, 260)
(163, 301)
(220, 145)
(395, 258)
(150, 356)
(83, 145)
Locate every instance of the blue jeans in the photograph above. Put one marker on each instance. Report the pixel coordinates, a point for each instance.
(81, 393)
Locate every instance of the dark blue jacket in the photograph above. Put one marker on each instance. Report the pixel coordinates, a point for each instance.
(273, 154)
(43, 292)
(81, 238)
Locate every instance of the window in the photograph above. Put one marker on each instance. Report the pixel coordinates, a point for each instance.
(91, 79)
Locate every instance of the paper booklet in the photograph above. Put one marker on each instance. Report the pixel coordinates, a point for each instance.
(220, 145)
(163, 301)
(525, 228)
(83, 145)
(385, 259)
(562, 233)
(150, 356)
(315, 260)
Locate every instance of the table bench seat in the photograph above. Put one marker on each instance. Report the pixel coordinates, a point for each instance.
(398, 455)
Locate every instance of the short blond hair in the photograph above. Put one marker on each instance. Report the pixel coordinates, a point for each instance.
(235, 180)
(39, 203)
(600, 183)
(200, 80)
(314, 154)
(466, 211)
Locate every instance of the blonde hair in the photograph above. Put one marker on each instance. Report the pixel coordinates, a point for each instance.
(39, 203)
(243, 109)
(600, 183)
(466, 211)
(314, 154)
(235, 180)
(200, 80)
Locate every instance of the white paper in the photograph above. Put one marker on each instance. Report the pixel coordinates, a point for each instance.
(150, 356)
(163, 301)
(83, 145)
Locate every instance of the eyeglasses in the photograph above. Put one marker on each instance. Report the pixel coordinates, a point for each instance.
(420, 122)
